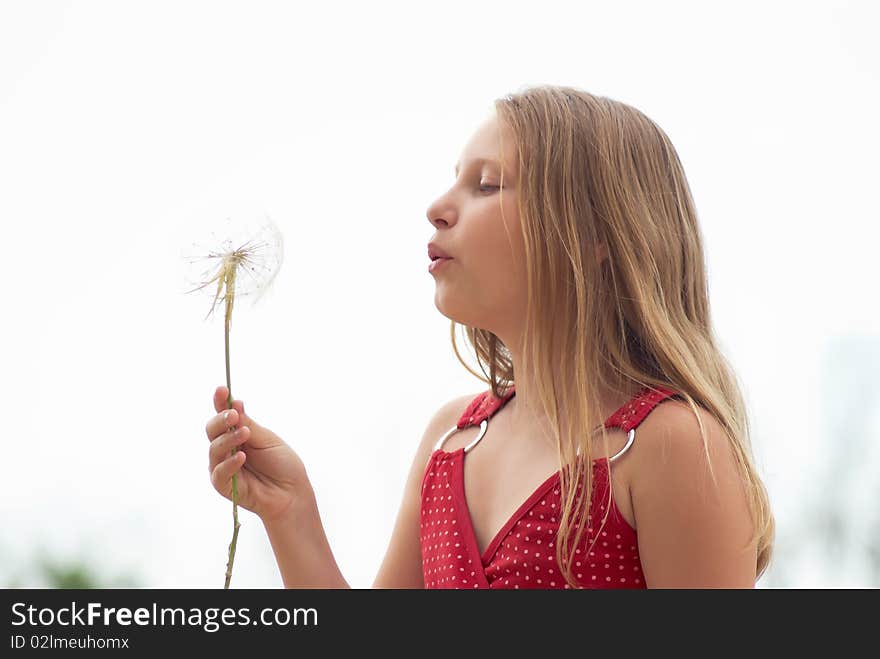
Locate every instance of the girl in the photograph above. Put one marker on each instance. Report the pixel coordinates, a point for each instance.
(568, 247)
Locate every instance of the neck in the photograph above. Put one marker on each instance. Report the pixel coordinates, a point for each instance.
(526, 412)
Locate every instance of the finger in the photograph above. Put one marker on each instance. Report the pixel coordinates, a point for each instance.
(221, 476)
(221, 447)
(221, 395)
(220, 423)
(240, 417)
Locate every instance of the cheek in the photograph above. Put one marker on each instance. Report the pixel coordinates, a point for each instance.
(502, 269)
(501, 234)
(511, 252)
(492, 276)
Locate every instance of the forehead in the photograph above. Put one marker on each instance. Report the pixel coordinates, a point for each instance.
(485, 144)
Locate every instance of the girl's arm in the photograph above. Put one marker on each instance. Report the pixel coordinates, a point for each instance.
(301, 549)
(300, 544)
(402, 566)
(691, 533)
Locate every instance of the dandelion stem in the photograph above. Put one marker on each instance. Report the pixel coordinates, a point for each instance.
(259, 258)
(230, 288)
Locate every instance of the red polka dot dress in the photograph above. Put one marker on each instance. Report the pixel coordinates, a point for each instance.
(523, 552)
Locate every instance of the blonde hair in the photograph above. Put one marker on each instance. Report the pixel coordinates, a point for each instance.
(597, 172)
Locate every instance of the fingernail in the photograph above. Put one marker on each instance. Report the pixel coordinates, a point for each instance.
(226, 416)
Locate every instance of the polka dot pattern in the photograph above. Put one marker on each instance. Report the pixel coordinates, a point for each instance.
(523, 553)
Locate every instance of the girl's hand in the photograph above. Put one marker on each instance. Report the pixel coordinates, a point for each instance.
(271, 476)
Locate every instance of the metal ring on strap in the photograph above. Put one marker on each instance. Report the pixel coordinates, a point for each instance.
(484, 425)
(629, 440)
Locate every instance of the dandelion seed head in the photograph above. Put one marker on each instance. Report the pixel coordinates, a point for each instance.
(239, 256)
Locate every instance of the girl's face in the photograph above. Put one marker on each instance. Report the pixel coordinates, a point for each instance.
(483, 285)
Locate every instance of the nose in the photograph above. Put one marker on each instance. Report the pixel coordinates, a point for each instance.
(441, 214)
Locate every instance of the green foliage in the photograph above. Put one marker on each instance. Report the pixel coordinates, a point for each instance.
(58, 573)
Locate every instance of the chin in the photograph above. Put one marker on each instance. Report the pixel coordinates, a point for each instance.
(454, 310)
(448, 308)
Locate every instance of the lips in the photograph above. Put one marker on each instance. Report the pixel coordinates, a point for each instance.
(435, 252)
(437, 263)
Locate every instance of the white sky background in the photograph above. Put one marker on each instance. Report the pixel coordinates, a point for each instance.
(344, 122)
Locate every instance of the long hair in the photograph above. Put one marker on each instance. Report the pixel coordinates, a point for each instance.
(595, 172)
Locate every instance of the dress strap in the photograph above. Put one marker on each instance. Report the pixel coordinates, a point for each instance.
(483, 406)
(634, 412)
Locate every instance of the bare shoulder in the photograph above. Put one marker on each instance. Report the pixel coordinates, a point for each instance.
(671, 445)
(672, 430)
(402, 565)
(443, 419)
(690, 502)
(451, 410)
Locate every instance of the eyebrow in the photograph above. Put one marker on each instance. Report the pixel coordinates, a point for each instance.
(480, 161)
